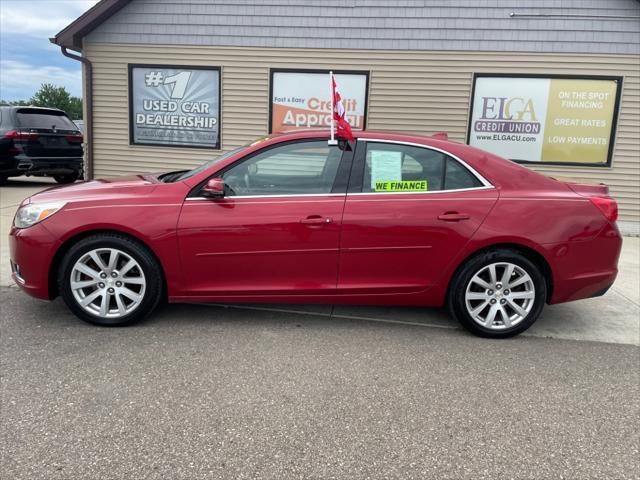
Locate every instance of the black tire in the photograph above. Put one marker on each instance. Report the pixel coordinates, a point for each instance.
(3, 179)
(460, 281)
(139, 252)
(67, 178)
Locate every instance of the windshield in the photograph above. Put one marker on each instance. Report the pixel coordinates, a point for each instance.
(208, 164)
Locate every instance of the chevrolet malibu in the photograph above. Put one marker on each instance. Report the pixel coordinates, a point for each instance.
(387, 219)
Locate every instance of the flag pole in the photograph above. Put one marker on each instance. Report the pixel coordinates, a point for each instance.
(333, 141)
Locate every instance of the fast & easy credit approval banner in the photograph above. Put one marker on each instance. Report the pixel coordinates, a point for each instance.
(302, 99)
(174, 106)
(552, 120)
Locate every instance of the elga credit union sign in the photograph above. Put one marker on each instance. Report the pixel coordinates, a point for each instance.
(174, 106)
(302, 99)
(568, 120)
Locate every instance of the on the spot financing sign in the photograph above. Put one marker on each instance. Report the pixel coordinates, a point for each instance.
(174, 106)
(552, 120)
(302, 100)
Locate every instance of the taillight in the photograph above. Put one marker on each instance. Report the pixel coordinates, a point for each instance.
(21, 135)
(607, 206)
(74, 138)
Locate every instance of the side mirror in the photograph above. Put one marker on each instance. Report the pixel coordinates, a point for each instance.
(214, 188)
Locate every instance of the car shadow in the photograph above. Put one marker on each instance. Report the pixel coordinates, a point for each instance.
(56, 315)
(570, 322)
(304, 314)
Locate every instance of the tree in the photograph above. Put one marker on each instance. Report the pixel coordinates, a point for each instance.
(57, 97)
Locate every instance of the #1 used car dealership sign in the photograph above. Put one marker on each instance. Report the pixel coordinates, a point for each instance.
(174, 106)
(550, 119)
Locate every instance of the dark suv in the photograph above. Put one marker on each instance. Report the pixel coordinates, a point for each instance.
(40, 142)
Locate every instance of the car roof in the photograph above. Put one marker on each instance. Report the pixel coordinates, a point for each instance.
(457, 149)
(365, 134)
(30, 107)
(497, 170)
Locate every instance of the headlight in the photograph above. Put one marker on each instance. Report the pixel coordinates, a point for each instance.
(33, 213)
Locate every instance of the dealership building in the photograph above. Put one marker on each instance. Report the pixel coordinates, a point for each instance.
(553, 84)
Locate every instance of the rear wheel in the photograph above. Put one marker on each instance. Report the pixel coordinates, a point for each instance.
(3, 179)
(110, 280)
(67, 178)
(497, 294)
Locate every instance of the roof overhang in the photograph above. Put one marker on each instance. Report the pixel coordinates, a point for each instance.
(71, 36)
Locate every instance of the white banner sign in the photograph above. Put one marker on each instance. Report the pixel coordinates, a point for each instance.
(302, 100)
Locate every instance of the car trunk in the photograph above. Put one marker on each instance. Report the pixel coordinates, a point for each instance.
(583, 189)
(589, 189)
(597, 193)
(47, 134)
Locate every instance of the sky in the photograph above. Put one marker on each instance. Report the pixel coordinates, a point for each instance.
(27, 58)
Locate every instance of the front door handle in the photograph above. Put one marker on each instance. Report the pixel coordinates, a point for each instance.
(453, 217)
(316, 220)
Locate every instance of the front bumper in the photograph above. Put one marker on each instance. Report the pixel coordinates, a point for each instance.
(31, 251)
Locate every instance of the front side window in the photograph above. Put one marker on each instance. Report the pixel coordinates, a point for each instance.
(293, 169)
(394, 168)
(208, 164)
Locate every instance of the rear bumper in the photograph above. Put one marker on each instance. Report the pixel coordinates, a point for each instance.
(585, 269)
(8, 164)
(580, 287)
(30, 252)
(23, 165)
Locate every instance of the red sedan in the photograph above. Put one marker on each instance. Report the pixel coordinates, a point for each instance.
(388, 219)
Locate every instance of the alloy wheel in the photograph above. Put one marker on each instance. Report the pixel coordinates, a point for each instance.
(500, 295)
(107, 283)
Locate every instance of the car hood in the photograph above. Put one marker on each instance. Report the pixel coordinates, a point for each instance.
(109, 188)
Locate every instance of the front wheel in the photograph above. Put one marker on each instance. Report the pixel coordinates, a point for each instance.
(497, 294)
(67, 178)
(110, 280)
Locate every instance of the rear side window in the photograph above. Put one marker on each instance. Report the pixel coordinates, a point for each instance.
(49, 120)
(458, 177)
(404, 168)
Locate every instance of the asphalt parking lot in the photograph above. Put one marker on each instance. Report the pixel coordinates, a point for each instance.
(318, 392)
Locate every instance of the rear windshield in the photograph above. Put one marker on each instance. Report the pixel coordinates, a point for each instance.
(40, 119)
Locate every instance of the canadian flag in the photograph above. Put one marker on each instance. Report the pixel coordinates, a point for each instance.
(343, 128)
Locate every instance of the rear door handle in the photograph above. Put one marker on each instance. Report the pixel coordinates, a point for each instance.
(453, 217)
(315, 220)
